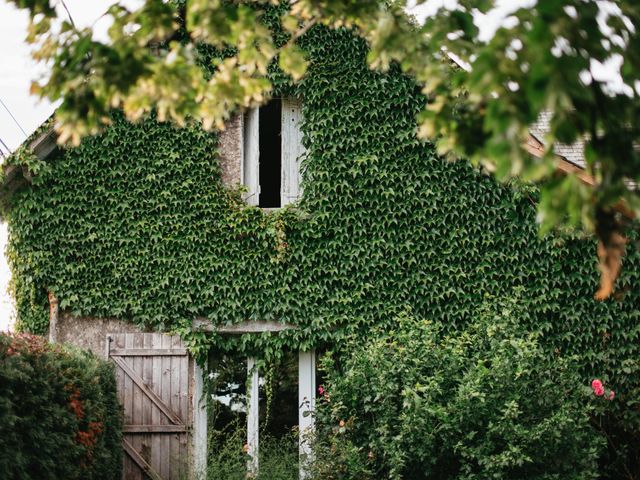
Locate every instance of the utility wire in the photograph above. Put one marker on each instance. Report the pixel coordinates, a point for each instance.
(5, 146)
(73, 24)
(14, 118)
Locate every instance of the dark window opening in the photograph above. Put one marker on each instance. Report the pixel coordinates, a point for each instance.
(270, 154)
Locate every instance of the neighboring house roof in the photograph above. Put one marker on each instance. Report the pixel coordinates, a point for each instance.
(536, 145)
(573, 153)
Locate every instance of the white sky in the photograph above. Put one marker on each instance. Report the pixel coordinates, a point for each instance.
(17, 70)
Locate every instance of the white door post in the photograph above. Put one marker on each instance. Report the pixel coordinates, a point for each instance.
(306, 405)
(199, 424)
(253, 412)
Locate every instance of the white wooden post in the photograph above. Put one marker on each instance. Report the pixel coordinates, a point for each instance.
(199, 425)
(306, 404)
(253, 416)
(251, 157)
(292, 151)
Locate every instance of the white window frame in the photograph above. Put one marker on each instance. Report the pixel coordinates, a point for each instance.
(306, 407)
(292, 151)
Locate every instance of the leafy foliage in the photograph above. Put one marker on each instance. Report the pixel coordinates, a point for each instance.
(136, 224)
(542, 60)
(485, 402)
(60, 416)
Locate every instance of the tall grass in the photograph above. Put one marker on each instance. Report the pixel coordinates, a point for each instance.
(228, 460)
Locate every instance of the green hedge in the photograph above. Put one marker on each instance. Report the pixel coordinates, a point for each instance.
(59, 413)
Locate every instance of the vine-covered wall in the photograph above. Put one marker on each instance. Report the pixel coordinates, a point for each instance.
(136, 224)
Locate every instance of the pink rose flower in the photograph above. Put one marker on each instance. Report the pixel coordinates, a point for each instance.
(321, 390)
(612, 395)
(598, 389)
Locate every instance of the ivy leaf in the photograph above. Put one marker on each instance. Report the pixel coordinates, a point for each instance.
(292, 61)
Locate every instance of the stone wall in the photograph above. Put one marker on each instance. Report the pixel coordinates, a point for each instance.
(90, 333)
(231, 151)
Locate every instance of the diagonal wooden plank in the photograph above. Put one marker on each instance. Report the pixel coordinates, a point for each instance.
(152, 396)
(141, 462)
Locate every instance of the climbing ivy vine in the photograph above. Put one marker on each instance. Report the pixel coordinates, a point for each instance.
(136, 224)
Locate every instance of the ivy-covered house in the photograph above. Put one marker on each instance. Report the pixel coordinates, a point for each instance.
(311, 218)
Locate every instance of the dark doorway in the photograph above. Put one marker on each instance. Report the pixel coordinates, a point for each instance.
(270, 154)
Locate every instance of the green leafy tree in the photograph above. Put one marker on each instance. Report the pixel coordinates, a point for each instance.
(540, 60)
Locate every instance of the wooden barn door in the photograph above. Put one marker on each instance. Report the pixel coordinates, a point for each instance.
(153, 372)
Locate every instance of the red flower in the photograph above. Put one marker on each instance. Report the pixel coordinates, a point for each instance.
(598, 389)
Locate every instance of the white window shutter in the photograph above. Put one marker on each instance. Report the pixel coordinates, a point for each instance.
(251, 160)
(292, 150)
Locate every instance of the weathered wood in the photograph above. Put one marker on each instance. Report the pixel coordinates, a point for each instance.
(292, 150)
(132, 471)
(155, 429)
(174, 403)
(306, 407)
(141, 385)
(165, 440)
(253, 415)
(199, 424)
(249, 326)
(148, 352)
(186, 376)
(141, 462)
(157, 418)
(139, 397)
(44, 145)
(147, 406)
(153, 373)
(251, 160)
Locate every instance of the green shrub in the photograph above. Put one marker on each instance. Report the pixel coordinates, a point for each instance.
(486, 402)
(59, 413)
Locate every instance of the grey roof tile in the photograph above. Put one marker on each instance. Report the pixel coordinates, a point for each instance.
(574, 153)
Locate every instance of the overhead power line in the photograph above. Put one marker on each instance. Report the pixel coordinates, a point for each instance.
(14, 118)
(6, 148)
(68, 13)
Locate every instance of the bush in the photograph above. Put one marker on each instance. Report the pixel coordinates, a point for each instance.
(485, 403)
(59, 412)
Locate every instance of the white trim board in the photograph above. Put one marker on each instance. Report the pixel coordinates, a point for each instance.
(248, 326)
